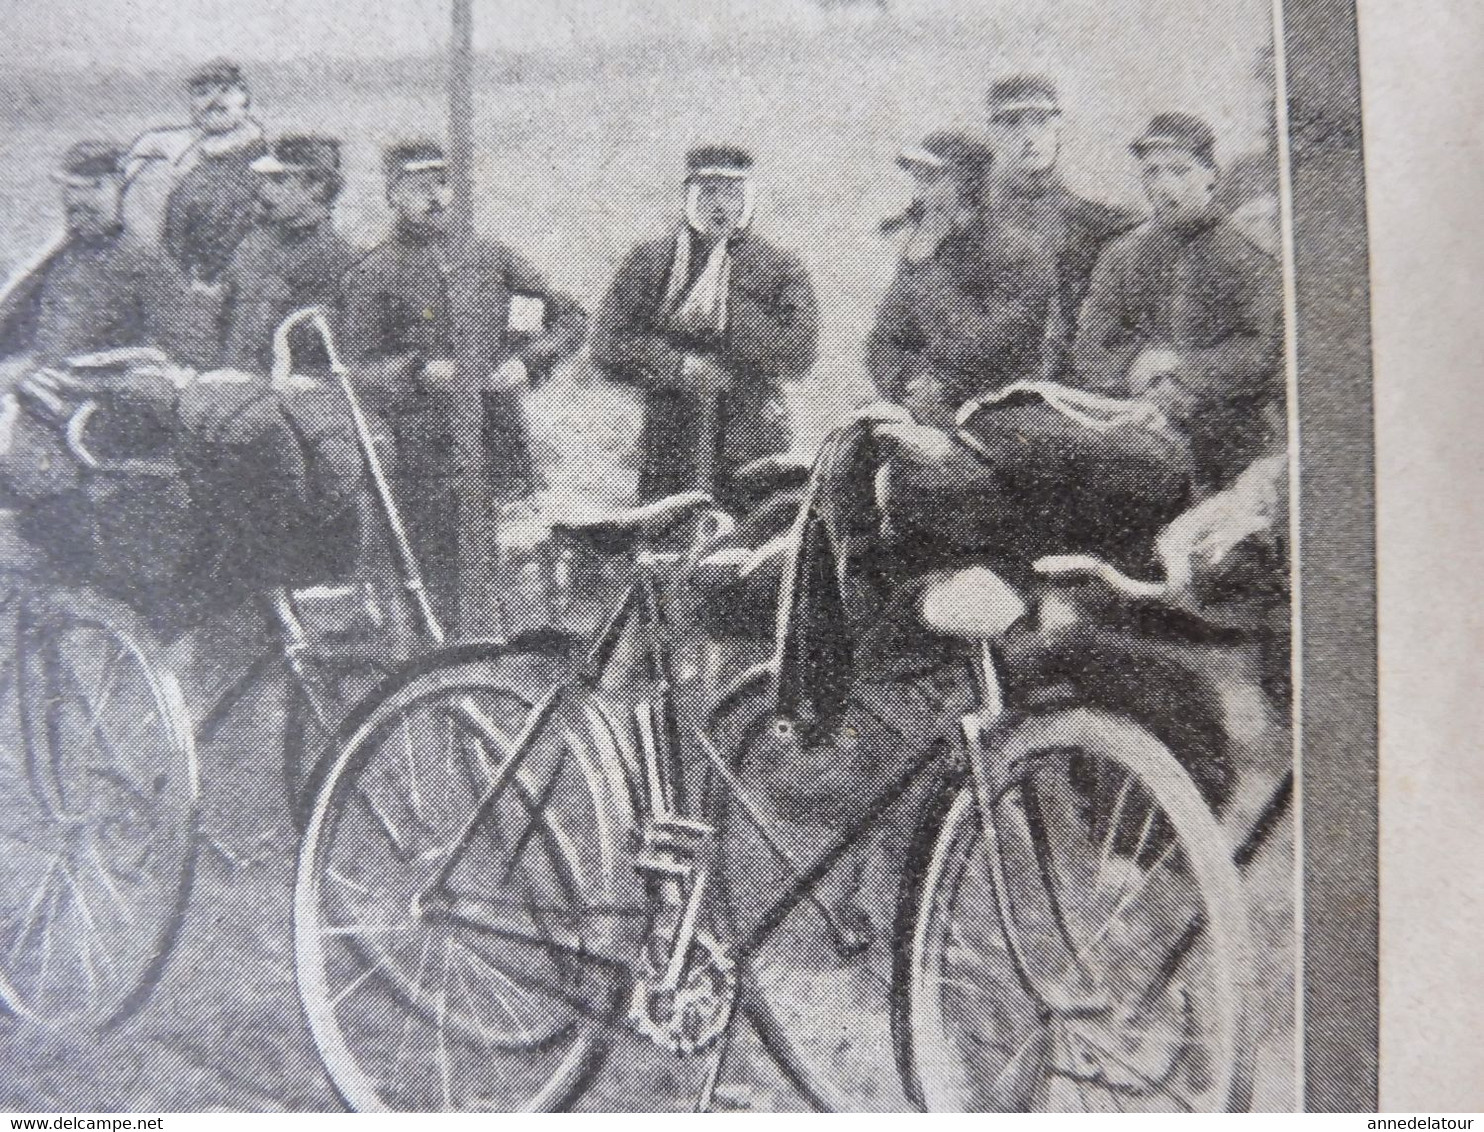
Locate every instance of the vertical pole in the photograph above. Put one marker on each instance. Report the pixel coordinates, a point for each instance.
(481, 483)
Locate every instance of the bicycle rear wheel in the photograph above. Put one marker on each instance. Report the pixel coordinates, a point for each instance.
(1080, 942)
(98, 800)
(492, 994)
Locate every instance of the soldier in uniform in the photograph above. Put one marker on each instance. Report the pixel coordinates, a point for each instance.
(1186, 311)
(159, 159)
(1030, 203)
(214, 205)
(293, 258)
(963, 316)
(401, 334)
(708, 322)
(99, 290)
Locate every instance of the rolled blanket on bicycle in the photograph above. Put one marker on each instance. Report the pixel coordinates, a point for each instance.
(1028, 477)
(275, 475)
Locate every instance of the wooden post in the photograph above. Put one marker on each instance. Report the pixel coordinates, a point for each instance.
(489, 429)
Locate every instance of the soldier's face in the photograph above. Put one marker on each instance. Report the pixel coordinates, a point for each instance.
(92, 204)
(284, 198)
(421, 200)
(1179, 187)
(1026, 142)
(719, 204)
(218, 108)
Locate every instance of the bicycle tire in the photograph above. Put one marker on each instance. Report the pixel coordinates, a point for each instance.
(926, 1009)
(128, 797)
(512, 678)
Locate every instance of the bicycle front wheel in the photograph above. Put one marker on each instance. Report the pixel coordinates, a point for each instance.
(1079, 940)
(98, 800)
(455, 901)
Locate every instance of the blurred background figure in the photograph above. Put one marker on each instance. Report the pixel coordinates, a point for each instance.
(220, 105)
(293, 257)
(1186, 311)
(402, 327)
(212, 204)
(98, 290)
(708, 323)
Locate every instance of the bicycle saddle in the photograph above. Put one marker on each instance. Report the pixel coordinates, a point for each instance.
(973, 603)
(614, 532)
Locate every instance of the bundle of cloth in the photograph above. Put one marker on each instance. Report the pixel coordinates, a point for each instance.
(169, 487)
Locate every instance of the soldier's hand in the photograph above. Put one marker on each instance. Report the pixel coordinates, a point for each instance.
(439, 372)
(1149, 367)
(511, 374)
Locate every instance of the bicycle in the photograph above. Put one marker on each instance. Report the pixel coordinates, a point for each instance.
(100, 792)
(524, 861)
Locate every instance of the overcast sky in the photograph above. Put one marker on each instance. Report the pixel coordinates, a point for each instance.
(131, 33)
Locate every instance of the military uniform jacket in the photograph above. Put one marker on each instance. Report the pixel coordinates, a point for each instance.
(398, 317)
(210, 210)
(770, 336)
(1065, 233)
(95, 294)
(1213, 297)
(968, 320)
(273, 273)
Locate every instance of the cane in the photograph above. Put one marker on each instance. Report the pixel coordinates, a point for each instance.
(412, 575)
(708, 435)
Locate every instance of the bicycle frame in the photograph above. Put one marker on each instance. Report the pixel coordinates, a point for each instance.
(676, 843)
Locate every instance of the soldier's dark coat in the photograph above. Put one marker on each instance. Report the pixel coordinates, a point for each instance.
(963, 322)
(771, 336)
(399, 316)
(1066, 233)
(211, 210)
(274, 272)
(97, 293)
(1212, 296)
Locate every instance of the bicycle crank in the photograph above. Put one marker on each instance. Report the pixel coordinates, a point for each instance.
(688, 1015)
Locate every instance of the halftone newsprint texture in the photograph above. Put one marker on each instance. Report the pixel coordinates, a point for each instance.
(707, 556)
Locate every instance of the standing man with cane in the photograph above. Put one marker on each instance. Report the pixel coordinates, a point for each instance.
(708, 322)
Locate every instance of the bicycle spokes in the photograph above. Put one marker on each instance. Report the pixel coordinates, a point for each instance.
(1068, 959)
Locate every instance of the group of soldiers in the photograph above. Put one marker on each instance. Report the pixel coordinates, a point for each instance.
(200, 240)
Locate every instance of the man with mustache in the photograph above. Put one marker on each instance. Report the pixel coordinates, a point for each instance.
(1030, 203)
(401, 329)
(221, 122)
(293, 258)
(213, 205)
(964, 315)
(708, 323)
(99, 290)
(1186, 311)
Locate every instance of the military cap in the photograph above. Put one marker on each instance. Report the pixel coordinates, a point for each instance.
(1181, 131)
(717, 161)
(417, 156)
(1021, 94)
(961, 156)
(89, 160)
(216, 72)
(300, 153)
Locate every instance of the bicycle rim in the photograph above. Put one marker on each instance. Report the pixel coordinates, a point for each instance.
(1085, 948)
